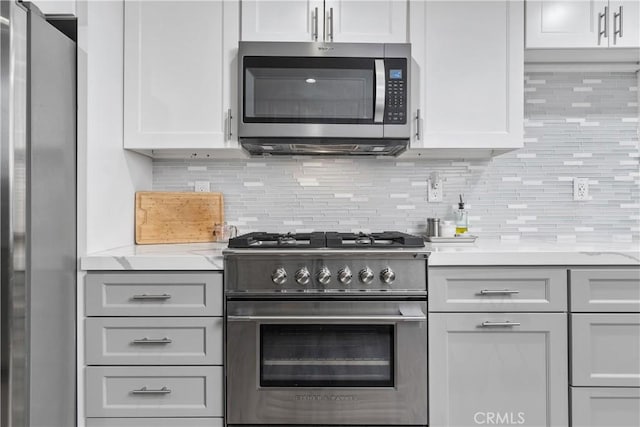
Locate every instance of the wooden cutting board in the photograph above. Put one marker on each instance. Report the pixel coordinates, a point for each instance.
(173, 217)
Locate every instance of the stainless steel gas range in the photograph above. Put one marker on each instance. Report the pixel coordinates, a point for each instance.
(326, 329)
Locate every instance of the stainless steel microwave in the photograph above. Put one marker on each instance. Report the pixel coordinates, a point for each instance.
(317, 98)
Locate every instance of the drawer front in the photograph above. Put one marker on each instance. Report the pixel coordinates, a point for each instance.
(154, 391)
(154, 341)
(605, 407)
(153, 294)
(605, 290)
(497, 289)
(154, 422)
(605, 350)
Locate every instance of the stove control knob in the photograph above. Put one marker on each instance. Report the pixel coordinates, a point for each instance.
(279, 276)
(303, 276)
(387, 276)
(366, 275)
(345, 276)
(324, 276)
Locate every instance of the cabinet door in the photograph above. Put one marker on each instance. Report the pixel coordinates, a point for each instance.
(470, 56)
(286, 20)
(605, 407)
(180, 74)
(377, 21)
(483, 373)
(605, 350)
(624, 23)
(566, 24)
(54, 7)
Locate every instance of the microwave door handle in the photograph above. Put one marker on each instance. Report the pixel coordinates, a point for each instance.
(381, 84)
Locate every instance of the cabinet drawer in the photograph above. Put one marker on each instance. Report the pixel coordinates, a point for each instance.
(154, 422)
(605, 290)
(154, 341)
(605, 350)
(154, 294)
(154, 391)
(497, 289)
(605, 407)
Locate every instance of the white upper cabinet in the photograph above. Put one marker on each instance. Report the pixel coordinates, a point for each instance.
(375, 21)
(288, 20)
(624, 23)
(180, 74)
(582, 24)
(468, 74)
(56, 7)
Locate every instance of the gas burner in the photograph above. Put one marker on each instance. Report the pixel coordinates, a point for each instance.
(364, 239)
(287, 240)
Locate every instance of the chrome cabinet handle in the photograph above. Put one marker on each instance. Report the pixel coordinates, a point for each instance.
(330, 19)
(603, 32)
(498, 292)
(617, 17)
(314, 25)
(146, 340)
(145, 390)
(151, 297)
(418, 125)
(334, 319)
(499, 324)
(229, 117)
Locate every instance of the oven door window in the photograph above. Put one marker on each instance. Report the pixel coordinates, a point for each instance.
(309, 90)
(326, 355)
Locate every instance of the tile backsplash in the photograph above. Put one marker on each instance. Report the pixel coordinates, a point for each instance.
(576, 125)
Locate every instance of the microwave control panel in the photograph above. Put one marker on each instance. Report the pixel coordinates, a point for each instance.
(395, 109)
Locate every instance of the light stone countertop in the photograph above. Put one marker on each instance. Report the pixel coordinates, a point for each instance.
(208, 256)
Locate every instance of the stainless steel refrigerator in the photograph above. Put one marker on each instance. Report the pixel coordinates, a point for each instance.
(37, 220)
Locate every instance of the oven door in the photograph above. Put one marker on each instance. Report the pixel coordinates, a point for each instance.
(326, 362)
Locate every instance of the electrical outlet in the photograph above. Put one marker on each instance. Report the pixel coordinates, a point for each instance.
(434, 190)
(202, 186)
(581, 189)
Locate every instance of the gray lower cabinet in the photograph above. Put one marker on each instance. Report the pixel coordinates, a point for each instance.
(605, 290)
(605, 350)
(144, 391)
(154, 422)
(153, 349)
(605, 407)
(498, 368)
(497, 289)
(154, 340)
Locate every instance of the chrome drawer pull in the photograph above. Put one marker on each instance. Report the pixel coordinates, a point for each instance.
(146, 340)
(499, 324)
(151, 296)
(145, 390)
(498, 292)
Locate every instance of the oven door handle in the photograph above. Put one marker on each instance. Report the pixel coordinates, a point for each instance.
(334, 319)
(381, 84)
